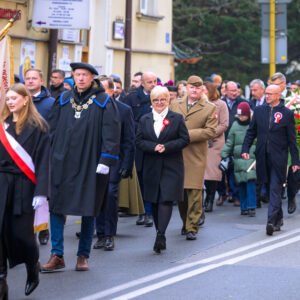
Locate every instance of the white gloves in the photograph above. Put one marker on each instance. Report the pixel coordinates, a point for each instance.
(38, 201)
(102, 169)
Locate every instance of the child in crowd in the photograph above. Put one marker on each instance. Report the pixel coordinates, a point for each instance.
(244, 170)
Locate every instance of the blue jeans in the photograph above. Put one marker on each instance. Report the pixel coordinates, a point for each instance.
(57, 235)
(247, 195)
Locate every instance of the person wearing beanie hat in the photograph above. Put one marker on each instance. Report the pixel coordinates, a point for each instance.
(244, 172)
(243, 109)
(68, 83)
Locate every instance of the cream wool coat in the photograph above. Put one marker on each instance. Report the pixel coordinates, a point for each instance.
(212, 171)
(201, 122)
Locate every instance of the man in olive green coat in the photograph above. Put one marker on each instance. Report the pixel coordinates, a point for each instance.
(201, 121)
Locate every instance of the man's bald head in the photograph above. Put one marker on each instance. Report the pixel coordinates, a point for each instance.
(232, 90)
(273, 94)
(149, 81)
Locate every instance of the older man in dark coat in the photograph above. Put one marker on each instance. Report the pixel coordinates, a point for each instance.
(274, 127)
(139, 101)
(85, 134)
(106, 222)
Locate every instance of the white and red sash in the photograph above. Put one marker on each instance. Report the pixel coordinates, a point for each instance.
(18, 154)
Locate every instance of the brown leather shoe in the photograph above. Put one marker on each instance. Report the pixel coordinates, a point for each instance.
(82, 264)
(54, 263)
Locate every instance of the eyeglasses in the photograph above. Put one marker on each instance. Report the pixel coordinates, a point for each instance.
(271, 94)
(163, 100)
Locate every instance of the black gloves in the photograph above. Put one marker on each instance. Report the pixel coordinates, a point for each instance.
(125, 173)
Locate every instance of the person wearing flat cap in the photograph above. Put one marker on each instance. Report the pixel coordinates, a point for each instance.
(85, 137)
(201, 122)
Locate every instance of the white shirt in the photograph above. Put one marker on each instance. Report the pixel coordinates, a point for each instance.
(158, 120)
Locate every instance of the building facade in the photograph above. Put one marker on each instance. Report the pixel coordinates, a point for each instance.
(103, 45)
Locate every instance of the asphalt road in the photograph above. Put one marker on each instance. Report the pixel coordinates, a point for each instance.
(232, 258)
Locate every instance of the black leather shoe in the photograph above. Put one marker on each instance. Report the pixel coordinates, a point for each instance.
(202, 219)
(258, 203)
(245, 212)
(277, 226)
(265, 199)
(191, 236)
(100, 243)
(183, 231)
(109, 243)
(148, 221)
(292, 205)
(140, 220)
(270, 229)
(44, 237)
(252, 213)
(32, 278)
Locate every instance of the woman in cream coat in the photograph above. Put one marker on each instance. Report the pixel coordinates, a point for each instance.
(212, 172)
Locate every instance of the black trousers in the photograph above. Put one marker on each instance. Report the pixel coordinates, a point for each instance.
(106, 222)
(274, 188)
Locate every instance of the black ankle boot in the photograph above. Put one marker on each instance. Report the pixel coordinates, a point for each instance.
(3, 288)
(32, 278)
(160, 243)
(209, 207)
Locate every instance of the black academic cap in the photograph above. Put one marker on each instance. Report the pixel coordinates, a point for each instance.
(80, 65)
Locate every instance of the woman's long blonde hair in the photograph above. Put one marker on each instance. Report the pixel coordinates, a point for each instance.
(28, 115)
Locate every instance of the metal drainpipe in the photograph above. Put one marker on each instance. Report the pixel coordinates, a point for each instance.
(128, 33)
(53, 41)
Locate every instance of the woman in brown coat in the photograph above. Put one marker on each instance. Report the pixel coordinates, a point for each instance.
(212, 172)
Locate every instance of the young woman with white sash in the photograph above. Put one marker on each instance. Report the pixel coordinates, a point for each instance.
(24, 168)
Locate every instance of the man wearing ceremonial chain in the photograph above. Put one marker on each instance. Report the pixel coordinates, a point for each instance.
(85, 136)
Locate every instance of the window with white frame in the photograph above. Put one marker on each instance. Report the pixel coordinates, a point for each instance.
(149, 7)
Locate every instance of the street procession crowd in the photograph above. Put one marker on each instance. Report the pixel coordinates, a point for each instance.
(87, 147)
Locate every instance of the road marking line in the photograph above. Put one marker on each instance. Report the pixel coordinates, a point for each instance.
(201, 270)
(182, 267)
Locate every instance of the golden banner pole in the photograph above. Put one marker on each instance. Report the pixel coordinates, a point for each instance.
(10, 23)
(272, 37)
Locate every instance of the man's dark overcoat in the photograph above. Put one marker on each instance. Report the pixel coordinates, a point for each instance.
(127, 142)
(17, 192)
(163, 173)
(274, 140)
(140, 104)
(78, 146)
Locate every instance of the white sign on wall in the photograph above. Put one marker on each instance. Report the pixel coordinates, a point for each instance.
(64, 61)
(60, 14)
(27, 57)
(69, 35)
